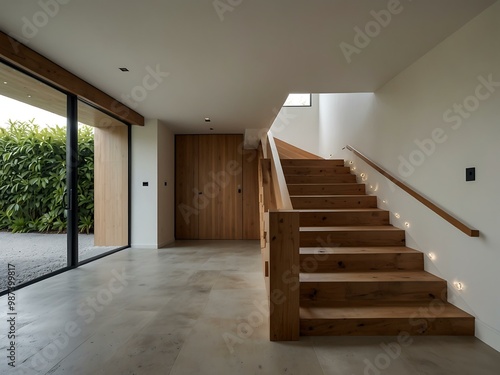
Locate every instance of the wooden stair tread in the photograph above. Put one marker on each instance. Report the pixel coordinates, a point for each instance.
(326, 184)
(339, 210)
(339, 178)
(308, 170)
(400, 310)
(334, 188)
(333, 201)
(311, 161)
(365, 228)
(358, 250)
(372, 276)
(331, 196)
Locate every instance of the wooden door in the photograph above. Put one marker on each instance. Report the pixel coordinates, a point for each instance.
(220, 184)
(186, 187)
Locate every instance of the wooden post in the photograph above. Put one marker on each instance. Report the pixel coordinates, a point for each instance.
(284, 275)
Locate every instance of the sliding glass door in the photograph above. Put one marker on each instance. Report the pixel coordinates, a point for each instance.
(64, 180)
(33, 132)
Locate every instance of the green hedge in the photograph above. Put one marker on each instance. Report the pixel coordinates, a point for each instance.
(33, 178)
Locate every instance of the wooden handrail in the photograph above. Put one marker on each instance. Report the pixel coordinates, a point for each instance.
(282, 196)
(452, 220)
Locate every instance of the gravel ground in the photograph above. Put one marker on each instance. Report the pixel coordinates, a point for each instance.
(36, 254)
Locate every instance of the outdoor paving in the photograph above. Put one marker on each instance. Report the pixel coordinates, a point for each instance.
(37, 254)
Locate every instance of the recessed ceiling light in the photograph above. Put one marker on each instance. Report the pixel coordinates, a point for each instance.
(207, 119)
(124, 69)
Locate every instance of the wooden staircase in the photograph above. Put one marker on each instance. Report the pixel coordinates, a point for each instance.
(357, 277)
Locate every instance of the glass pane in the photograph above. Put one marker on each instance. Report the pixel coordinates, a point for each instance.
(102, 182)
(298, 100)
(32, 177)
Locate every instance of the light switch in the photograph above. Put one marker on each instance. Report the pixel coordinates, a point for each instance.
(470, 174)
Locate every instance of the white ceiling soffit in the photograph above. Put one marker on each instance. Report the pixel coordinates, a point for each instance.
(234, 61)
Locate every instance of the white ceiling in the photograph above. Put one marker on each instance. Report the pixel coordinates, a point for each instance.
(236, 69)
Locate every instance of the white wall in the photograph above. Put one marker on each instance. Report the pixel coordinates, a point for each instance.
(152, 205)
(166, 175)
(144, 199)
(411, 110)
(299, 126)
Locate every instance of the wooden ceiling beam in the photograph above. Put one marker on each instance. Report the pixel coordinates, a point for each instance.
(27, 59)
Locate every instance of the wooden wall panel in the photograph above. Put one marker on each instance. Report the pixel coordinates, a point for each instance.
(186, 187)
(217, 194)
(220, 182)
(250, 195)
(111, 186)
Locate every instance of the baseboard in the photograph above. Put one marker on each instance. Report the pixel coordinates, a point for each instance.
(488, 335)
(150, 246)
(141, 246)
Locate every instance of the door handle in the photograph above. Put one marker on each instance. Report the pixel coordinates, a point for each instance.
(67, 199)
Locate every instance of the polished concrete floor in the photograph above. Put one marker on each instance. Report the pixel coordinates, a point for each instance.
(197, 308)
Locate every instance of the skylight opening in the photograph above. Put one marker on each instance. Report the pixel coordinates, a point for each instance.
(298, 100)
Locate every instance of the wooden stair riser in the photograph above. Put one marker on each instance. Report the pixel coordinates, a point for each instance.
(320, 163)
(329, 293)
(334, 202)
(453, 326)
(327, 189)
(344, 218)
(361, 262)
(352, 238)
(315, 171)
(337, 179)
